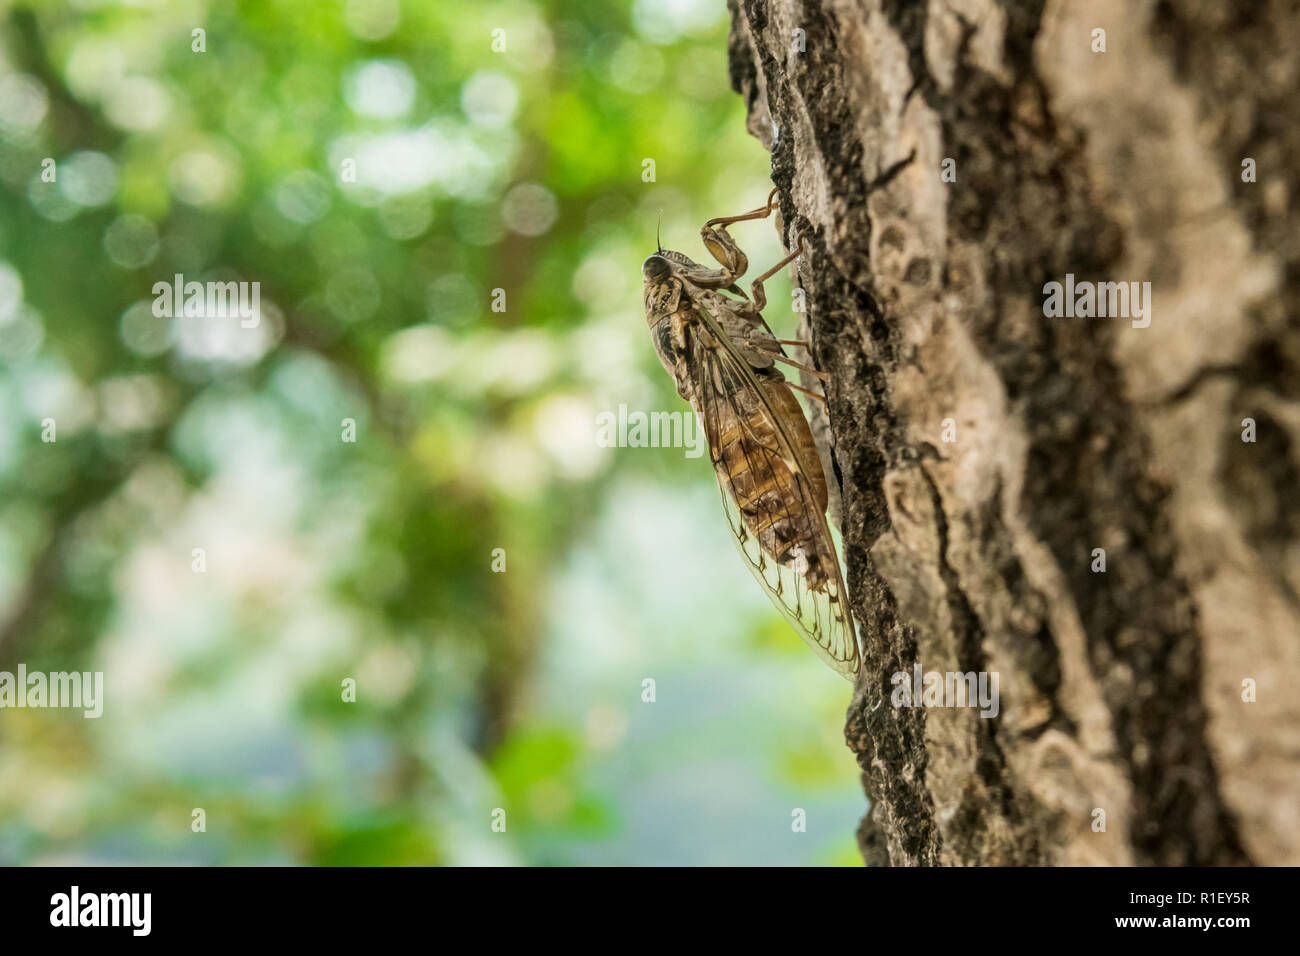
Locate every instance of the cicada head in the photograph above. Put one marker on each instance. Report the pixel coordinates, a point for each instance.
(656, 268)
(663, 290)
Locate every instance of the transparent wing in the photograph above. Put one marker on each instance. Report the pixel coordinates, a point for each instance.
(777, 524)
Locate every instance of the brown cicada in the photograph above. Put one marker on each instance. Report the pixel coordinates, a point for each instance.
(722, 355)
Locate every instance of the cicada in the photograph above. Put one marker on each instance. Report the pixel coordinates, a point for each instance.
(722, 356)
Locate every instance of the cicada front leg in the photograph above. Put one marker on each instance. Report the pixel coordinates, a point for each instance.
(734, 261)
(723, 248)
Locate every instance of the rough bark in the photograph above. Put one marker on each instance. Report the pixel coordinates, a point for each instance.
(1121, 690)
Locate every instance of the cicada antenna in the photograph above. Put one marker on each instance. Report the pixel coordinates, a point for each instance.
(659, 242)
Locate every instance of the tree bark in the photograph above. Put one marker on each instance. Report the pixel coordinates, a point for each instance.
(1124, 690)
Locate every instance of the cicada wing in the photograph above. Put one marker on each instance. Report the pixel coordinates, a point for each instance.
(761, 479)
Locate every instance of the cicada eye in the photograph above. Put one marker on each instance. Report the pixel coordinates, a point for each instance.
(656, 267)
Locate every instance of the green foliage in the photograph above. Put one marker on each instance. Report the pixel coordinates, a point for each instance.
(328, 559)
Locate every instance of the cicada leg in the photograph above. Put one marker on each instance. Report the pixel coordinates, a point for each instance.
(762, 212)
(808, 391)
(756, 287)
(771, 347)
(723, 248)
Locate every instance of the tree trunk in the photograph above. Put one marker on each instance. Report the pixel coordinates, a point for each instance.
(990, 450)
